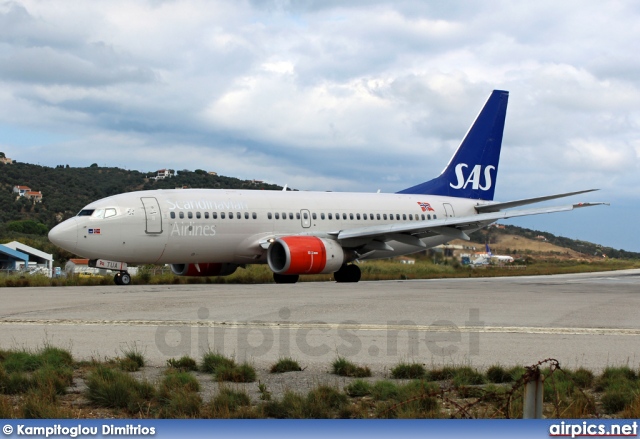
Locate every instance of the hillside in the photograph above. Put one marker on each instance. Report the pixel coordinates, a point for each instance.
(66, 190)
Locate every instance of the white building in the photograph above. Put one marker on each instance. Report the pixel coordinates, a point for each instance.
(39, 261)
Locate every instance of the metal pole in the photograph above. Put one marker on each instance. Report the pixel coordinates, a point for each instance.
(533, 396)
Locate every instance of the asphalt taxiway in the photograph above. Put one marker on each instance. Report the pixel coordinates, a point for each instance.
(590, 320)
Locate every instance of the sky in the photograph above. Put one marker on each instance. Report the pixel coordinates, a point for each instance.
(327, 95)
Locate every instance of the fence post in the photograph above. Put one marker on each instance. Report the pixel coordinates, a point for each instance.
(533, 395)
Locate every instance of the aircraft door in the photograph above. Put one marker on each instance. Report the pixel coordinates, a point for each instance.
(152, 215)
(305, 217)
(448, 210)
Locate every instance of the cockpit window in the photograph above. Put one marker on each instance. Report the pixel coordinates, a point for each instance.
(98, 213)
(85, 212)
(110, 212)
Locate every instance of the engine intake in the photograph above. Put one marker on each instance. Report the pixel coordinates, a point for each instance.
(304, 255)
(206, 269)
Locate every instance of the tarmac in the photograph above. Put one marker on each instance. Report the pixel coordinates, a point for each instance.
(587, 320)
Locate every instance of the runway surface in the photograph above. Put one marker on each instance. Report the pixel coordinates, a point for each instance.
(590, 320)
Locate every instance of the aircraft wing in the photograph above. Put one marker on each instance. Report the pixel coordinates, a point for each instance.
(455, 227)
(495, 207)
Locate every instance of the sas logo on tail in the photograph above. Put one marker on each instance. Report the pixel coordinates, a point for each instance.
(426, 207)
(474, 177)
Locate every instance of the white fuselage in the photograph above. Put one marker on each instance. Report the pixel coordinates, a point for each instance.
(218, 225)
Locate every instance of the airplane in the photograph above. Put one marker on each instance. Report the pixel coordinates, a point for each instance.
(212, 232)
(487, 257)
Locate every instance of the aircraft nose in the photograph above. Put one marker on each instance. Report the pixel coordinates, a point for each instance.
(65, 235)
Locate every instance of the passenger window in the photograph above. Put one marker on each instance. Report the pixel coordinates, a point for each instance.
(322, 216)
(206, 215)
(305, 215)
(172, 215)
(222, 215)
(254, 215)
(378, 216)
(214, 215)
(277, 215)
(238, 215)
(330, 216)
(297, 215)
(351, 216)
(290, 215)
(434, 216)
(230, 215)
(246, 215)
(422, 216)
(181, 215)
(371, 216)
(410, 217)
(429, 216)
(344, 216)
(190, 215)
(364, 216)
(358, 216)
(404, 216)
(397, 217)
(384, 216)
(109, 213)
(198, 215)
(314, 216)
(284, 215)
(269, 215)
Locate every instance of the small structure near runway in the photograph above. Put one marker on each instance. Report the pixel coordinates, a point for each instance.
(16, 256)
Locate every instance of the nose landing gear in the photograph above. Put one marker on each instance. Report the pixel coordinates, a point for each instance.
(122, 278)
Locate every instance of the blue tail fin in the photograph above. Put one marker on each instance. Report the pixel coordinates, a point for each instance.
(473, 170)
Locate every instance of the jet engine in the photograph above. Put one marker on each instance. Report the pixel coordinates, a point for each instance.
(206, 269)
(293, 255)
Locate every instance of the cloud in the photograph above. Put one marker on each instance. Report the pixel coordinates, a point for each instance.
(327, 95)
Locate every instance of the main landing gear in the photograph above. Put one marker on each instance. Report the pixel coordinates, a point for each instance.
(348, 273)
(285, 278)
(122, 278)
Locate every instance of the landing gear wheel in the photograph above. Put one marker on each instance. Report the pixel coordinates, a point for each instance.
(285, 278)
(348, 273)
(122, 278)
(125, 278)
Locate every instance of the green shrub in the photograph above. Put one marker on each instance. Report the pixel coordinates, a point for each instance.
(583, 378)
(408, 371)
(384, 390)
(183, 363)
(36, 406)
(133, 360)
(614, 401)
(498, 374)
(228, 401)
(181, 402)
(244, 373)
(180, 380)
(465, 376)
(343, 367)
(291, 406)
(358, 388)
(286, 365)
(112, 388)
(212, 361)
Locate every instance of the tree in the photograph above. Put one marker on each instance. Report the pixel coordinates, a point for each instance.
(94, 165)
